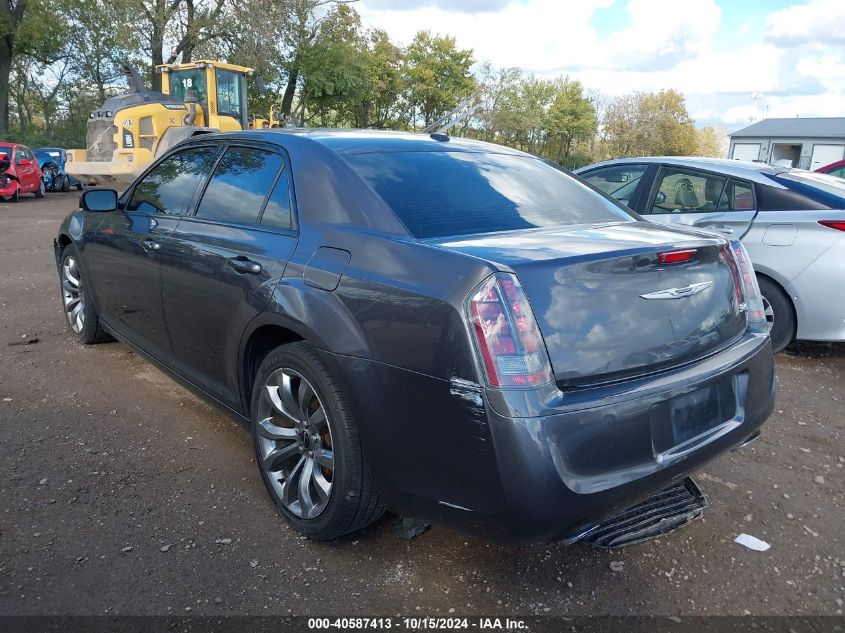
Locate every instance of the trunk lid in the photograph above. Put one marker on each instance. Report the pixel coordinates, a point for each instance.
(607, 307)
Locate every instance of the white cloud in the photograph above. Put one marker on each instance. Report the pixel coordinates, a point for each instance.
(818, 21)
(538, 35)
(799, 64)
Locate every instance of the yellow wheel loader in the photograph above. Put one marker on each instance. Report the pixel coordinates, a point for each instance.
(127, 132)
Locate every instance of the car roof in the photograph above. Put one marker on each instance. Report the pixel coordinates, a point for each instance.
(758, 172)
(354, 141)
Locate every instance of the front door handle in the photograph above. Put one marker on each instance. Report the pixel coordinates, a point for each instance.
(243, 265)
(150, 245)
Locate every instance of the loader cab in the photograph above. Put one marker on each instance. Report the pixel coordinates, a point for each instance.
(219, 90)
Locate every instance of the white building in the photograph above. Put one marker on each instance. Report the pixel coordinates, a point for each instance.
(806, 143)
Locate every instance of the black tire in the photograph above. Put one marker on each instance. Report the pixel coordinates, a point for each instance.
(91, 332)
(65, 184)
(16, 197)
(782, 314)
(353, 502)
(39, 193)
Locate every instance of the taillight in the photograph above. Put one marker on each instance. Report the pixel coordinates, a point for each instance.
(676, 257)
(507, 334)
(839, 225)
(748, 292)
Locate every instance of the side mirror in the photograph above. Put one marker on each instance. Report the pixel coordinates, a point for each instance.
(99, 200)
(617, 177)
(25, 162)
(660, 198)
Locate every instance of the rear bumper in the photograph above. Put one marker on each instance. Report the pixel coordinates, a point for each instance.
(444, 451)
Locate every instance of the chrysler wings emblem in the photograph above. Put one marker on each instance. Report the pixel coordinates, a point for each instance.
(678, 293)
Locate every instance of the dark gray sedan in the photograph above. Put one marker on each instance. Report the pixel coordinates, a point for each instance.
(453, 330)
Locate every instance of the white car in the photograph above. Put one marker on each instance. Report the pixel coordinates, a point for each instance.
(791, 221)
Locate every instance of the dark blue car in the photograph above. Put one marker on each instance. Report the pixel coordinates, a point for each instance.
(456, 331)
(52, 161)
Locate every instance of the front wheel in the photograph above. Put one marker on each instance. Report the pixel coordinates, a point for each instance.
(39, 193)
(780, 319)
(307, 446)
(65, 184)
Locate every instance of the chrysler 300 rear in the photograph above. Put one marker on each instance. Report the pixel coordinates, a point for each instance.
(453, 330)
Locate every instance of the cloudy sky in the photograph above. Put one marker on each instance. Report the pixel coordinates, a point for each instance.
(718, 52)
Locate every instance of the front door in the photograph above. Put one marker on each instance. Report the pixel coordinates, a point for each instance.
(706, 200)
(132, 241)
(228, 258)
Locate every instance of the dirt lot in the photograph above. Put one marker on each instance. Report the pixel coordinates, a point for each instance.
(123, 493)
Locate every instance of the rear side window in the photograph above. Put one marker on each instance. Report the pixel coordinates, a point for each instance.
(278, 210)
(239, 185)
(438, 194)
(169, 187)
(738, 196)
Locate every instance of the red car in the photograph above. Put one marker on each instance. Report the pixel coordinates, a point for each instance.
(19, 172)
(834, 169)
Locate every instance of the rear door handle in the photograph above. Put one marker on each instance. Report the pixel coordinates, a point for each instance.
(243, 265)
(150, 245)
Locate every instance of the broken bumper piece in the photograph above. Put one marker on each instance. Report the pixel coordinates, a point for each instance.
(671, 508)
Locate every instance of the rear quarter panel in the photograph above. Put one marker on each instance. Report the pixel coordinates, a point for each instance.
(792, 248)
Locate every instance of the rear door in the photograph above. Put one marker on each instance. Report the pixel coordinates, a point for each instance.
(132, 242)
(707, 200)
(230, 254)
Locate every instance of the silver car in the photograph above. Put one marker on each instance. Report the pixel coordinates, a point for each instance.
(791, 221)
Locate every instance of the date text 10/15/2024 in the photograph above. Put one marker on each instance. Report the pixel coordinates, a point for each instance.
(418, 623)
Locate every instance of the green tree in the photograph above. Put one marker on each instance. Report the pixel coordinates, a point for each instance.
(28, 28)
(101, 40)
(571, 118)
(438, 74)
(334, 70)
(499, 114)
(381, 102)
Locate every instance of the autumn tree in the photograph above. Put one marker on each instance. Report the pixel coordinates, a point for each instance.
(707, 142)
(649, 124)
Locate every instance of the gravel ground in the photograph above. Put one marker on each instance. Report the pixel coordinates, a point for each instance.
(124, 494)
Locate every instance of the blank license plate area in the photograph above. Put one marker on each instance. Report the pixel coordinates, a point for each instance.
(676, 421)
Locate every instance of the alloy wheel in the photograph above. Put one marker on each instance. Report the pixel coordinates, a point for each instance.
(295, 443)
(73, 295)
(769, 313)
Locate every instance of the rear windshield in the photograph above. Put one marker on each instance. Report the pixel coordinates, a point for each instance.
(438, 194)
